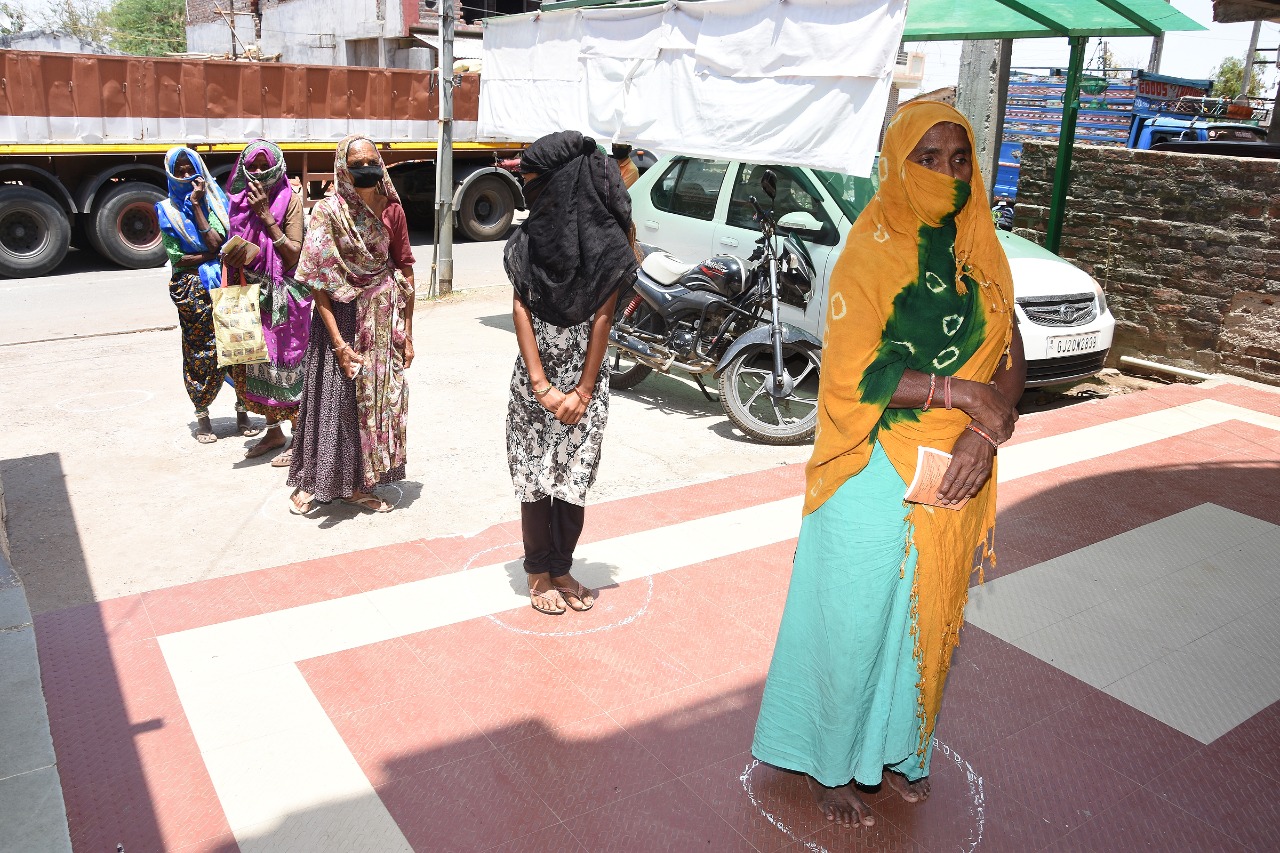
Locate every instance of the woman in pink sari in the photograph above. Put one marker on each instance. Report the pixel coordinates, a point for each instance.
(350, 433)
(266, 213)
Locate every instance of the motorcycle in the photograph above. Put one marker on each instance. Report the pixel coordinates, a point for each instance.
(721, 318)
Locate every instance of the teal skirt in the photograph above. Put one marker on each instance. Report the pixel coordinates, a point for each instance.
(841, 702)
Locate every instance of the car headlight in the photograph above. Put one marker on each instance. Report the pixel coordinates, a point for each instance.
(1102, 302)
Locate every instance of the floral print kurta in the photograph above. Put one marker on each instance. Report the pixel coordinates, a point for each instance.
(546, 457)
(353, 254)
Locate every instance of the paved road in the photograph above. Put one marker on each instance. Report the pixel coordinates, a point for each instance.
(108, 494)
(86, 296)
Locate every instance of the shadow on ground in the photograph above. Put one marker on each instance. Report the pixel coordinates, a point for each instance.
(84, 712)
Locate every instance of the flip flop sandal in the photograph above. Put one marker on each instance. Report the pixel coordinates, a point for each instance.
(284, 460)
(369, 502)
(572, 595)
(206, 437)
(534, 595)
(249, 431)
(306, 507)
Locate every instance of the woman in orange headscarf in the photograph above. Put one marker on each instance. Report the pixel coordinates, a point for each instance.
(921, 351)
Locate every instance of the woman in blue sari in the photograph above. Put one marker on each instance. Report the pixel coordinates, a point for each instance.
(193, 225)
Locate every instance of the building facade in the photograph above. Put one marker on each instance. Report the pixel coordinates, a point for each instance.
(371, 33)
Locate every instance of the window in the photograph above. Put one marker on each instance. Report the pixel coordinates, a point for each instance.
(851, 194)
(795, 193)
(690, 188)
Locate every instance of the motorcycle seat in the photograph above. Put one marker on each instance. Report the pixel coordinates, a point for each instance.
(664, 268)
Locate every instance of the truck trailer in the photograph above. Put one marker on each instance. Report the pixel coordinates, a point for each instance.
(1124, 108)
(83, 138)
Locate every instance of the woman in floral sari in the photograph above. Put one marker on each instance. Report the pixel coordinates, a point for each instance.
(350, 433)
(193, 226)
(265, 212)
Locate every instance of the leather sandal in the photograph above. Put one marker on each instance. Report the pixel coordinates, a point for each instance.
(578, 595)
(369, 502)
(552, 593)
(303, 507)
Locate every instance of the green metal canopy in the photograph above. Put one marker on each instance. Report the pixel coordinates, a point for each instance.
(952, 20)
(1075, 20)
(949, 20)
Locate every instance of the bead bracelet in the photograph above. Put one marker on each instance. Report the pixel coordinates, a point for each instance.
(995, 445)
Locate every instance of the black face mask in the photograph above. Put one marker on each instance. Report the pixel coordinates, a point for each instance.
(365, 177)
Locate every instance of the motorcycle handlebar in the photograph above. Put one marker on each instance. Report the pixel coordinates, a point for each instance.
(764, 217)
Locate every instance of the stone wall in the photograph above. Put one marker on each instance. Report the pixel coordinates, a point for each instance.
(1186, 246)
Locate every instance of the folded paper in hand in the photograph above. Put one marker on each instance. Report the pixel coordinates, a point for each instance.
(931, 467)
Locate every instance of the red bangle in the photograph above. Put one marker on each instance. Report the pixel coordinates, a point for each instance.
(586, 398)
(982, 432)
(946, 392)
(933, 386)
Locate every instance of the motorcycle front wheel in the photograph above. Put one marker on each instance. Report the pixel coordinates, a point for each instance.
(624, 370)
(746, 399)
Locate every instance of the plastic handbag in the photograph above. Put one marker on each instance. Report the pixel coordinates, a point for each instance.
(237, 322)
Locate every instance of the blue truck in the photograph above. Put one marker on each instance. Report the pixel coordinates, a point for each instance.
(1125, 108)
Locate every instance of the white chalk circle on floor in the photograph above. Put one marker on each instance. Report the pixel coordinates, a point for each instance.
(104, 401)
(976, 807)
(617, 623)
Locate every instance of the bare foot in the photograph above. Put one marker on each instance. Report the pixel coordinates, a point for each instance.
(912, 792)
(272, 440)
(842, 804)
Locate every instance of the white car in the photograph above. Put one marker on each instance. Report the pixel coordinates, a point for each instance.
(696, 208)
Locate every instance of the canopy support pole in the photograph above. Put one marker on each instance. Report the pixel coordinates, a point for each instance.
(1066, 141)
(444, 156)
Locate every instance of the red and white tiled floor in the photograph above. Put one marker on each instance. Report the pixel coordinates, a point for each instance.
(1117, 687)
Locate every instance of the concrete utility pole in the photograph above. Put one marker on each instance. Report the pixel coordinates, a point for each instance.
(1157, 49)
(444, 154)
(1247, 77)
(980, 96)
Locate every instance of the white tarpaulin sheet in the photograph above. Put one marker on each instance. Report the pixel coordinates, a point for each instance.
(800, 82)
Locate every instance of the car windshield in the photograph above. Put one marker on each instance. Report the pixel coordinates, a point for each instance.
(851, 194)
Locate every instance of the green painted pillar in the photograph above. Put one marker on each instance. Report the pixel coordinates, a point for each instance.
(1066, 139)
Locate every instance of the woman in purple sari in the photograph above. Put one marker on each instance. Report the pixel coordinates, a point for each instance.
(266, 213)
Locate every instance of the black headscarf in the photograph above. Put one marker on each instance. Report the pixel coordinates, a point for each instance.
(574, 251)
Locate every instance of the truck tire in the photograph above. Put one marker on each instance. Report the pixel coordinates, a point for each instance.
(486, 209)
(35, 233)
(125, 230)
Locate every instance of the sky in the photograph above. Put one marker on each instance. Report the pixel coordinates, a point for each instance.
(1193, 55)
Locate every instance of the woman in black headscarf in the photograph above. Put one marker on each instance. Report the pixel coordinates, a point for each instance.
(567, 263)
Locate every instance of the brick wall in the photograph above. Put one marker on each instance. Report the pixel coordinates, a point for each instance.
(1186, 246)
(206, 11)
